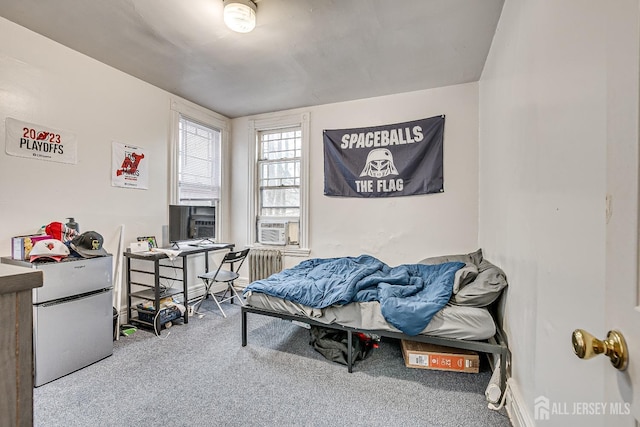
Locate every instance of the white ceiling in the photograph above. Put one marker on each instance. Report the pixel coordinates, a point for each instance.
(302, 52)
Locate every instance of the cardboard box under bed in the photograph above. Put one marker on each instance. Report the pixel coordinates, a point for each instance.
(431, 356)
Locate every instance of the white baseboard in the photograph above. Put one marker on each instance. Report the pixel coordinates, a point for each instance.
(516, 407)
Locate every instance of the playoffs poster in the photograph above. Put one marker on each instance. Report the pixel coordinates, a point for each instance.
(40, 142)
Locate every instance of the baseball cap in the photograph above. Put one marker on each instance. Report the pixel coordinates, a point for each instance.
(88, 245)
(50, 249)
(60, 231)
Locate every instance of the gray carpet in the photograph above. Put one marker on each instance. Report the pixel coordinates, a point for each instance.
(198, 374)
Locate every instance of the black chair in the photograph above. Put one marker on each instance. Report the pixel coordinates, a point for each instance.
(222, 275)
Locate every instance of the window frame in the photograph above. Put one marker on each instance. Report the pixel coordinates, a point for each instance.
(269, 123)
(262, 162)
(181, 108)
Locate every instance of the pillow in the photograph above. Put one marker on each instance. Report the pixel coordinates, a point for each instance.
(466, 274)
(471, 258)
(484, 289)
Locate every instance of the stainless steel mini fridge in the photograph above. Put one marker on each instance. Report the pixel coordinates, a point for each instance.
(72, 316)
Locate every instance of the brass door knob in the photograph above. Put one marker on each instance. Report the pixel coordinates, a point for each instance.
(587, 346)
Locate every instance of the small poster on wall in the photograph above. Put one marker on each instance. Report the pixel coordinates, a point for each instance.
(129, 167)
(39, 142)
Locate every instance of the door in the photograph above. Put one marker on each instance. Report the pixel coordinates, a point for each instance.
(622, 311)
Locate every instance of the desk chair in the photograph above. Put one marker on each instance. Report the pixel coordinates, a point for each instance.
(234, 260)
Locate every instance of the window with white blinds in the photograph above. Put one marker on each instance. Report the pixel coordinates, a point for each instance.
(278, 182)
(198, 163)
(279, 156)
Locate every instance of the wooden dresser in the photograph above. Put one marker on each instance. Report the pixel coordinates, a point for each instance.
(16, 345)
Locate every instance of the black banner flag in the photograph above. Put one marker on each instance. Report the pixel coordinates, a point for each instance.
(401, 159)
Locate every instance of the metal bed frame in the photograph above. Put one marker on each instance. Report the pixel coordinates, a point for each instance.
(499, 348)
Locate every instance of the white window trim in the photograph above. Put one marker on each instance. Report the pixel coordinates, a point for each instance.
(270, 122)
(214, 120)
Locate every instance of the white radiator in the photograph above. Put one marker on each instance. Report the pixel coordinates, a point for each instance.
(263, 263)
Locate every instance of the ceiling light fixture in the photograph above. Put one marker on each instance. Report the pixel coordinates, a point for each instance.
(240, 15)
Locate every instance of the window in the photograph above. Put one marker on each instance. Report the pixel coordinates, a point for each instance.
(196, 161)
(279, 184)
(279, 154)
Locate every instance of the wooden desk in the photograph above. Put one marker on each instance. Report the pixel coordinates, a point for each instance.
(16, 345)
(155, 292)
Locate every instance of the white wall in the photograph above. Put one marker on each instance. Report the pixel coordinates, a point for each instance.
(45, 83)
(542, 190)
(396, 230)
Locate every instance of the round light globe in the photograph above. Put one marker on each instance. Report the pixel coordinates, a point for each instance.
(240, 15)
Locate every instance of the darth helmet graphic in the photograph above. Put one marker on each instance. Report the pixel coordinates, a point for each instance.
(379, 164)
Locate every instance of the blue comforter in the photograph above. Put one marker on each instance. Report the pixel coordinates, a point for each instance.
(409, 294)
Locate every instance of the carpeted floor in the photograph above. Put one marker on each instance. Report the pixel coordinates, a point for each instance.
(198, 374)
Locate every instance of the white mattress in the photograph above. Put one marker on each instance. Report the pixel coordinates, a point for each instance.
(453, 321)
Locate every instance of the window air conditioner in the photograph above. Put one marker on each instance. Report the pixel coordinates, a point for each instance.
(273, 232)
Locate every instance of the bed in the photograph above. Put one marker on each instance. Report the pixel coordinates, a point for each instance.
(461, 309)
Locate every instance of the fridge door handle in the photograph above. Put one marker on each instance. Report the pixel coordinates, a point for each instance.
(73, 298)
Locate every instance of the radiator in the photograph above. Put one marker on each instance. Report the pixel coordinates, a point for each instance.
(263, 263)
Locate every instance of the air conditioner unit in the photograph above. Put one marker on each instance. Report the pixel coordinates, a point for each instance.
(273, 232)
